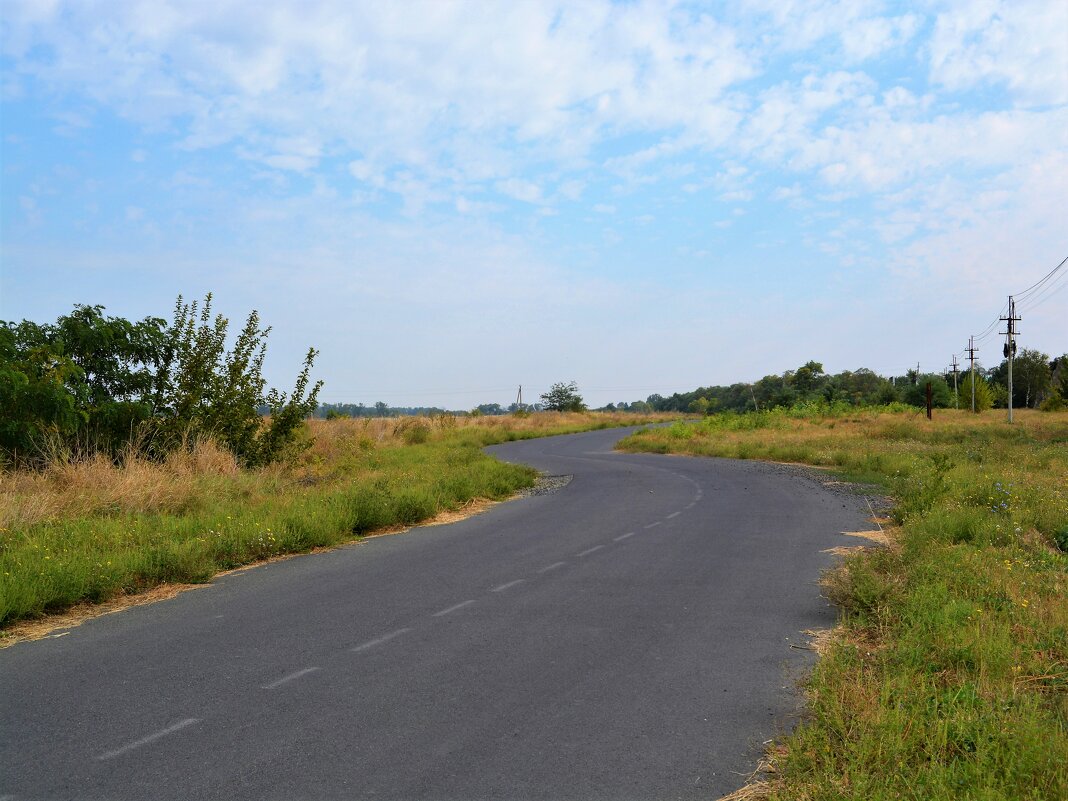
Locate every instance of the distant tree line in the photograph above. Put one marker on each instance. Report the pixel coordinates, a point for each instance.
(1038, 382)
(332, 411)
(91, 383)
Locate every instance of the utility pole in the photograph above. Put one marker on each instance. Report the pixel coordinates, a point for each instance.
(519, 399)
(971, 357)
(1010, 343)
(955, 371)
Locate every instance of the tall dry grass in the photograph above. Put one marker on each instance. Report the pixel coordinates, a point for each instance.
(90, 528)
(72, 486)
(97, 485)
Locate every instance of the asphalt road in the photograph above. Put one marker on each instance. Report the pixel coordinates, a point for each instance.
(627, 637)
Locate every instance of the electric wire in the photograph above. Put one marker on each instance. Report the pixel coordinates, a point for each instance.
(1023, 294)
(1048, 291)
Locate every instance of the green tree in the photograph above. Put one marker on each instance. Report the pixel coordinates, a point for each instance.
(563, 397)
(201, 388)
(808, 377)
(941, 394)
(1061, 383)
(983, 396)
(699, 406)
(1030, 377)
(94, 372)
(42, 393)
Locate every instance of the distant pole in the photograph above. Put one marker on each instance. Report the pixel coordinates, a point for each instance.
(971, 357)
(929, 400)
(519, 398)
(955, 371)
(1010, 344)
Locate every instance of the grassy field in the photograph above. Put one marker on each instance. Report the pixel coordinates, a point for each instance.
(88, 530)
(948, 675)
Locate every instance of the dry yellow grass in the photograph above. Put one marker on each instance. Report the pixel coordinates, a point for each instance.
(90, 529)
(948, 676)
(96, 485)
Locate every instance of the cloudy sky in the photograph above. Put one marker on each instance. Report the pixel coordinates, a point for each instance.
(450, 199)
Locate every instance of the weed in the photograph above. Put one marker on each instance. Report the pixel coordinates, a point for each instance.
(91, 529)
(949, 676)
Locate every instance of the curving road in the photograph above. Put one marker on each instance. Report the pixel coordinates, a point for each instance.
(628, 637)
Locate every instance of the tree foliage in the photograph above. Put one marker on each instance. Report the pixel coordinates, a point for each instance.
(201, 388)
(101, 383)
(984, 398)
(86, 379)
(563, 397)
(941, 394)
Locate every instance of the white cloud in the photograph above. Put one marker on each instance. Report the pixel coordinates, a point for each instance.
(417, 85)
(882, 122)
(1018, 44)
(520, 190)
(859, 29)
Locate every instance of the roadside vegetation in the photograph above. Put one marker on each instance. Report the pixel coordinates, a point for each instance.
(139, 453)
(92, 384)
(94, 527)
(1038, 382)
(947, 677)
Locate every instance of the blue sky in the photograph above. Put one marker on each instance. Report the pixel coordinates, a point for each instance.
(450, 199)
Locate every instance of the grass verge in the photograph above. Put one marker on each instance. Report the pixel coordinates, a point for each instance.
(947, 677)
(88, 531)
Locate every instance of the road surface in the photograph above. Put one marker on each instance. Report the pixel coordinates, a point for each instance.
(627, 637)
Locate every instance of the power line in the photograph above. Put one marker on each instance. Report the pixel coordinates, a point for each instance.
(1040, 281)
(992, 328)
(1048, 291)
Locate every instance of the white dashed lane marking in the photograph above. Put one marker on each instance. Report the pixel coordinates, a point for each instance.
(379, 640)
(553, 566)
(653, 525)
(591, 550)
(149, 739)
(289, 678)
(673, 514)
(623, 536)
(509, 585)
(451, 609)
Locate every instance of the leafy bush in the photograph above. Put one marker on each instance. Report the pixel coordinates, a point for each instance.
(92, 383)
(983, 396)
(86, 381)
(203, 389)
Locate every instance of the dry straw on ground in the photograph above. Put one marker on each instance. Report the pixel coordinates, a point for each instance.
(81, 487)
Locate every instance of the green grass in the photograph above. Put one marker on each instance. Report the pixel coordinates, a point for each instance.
(53, 565)
(948, 677)
(358, 478)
